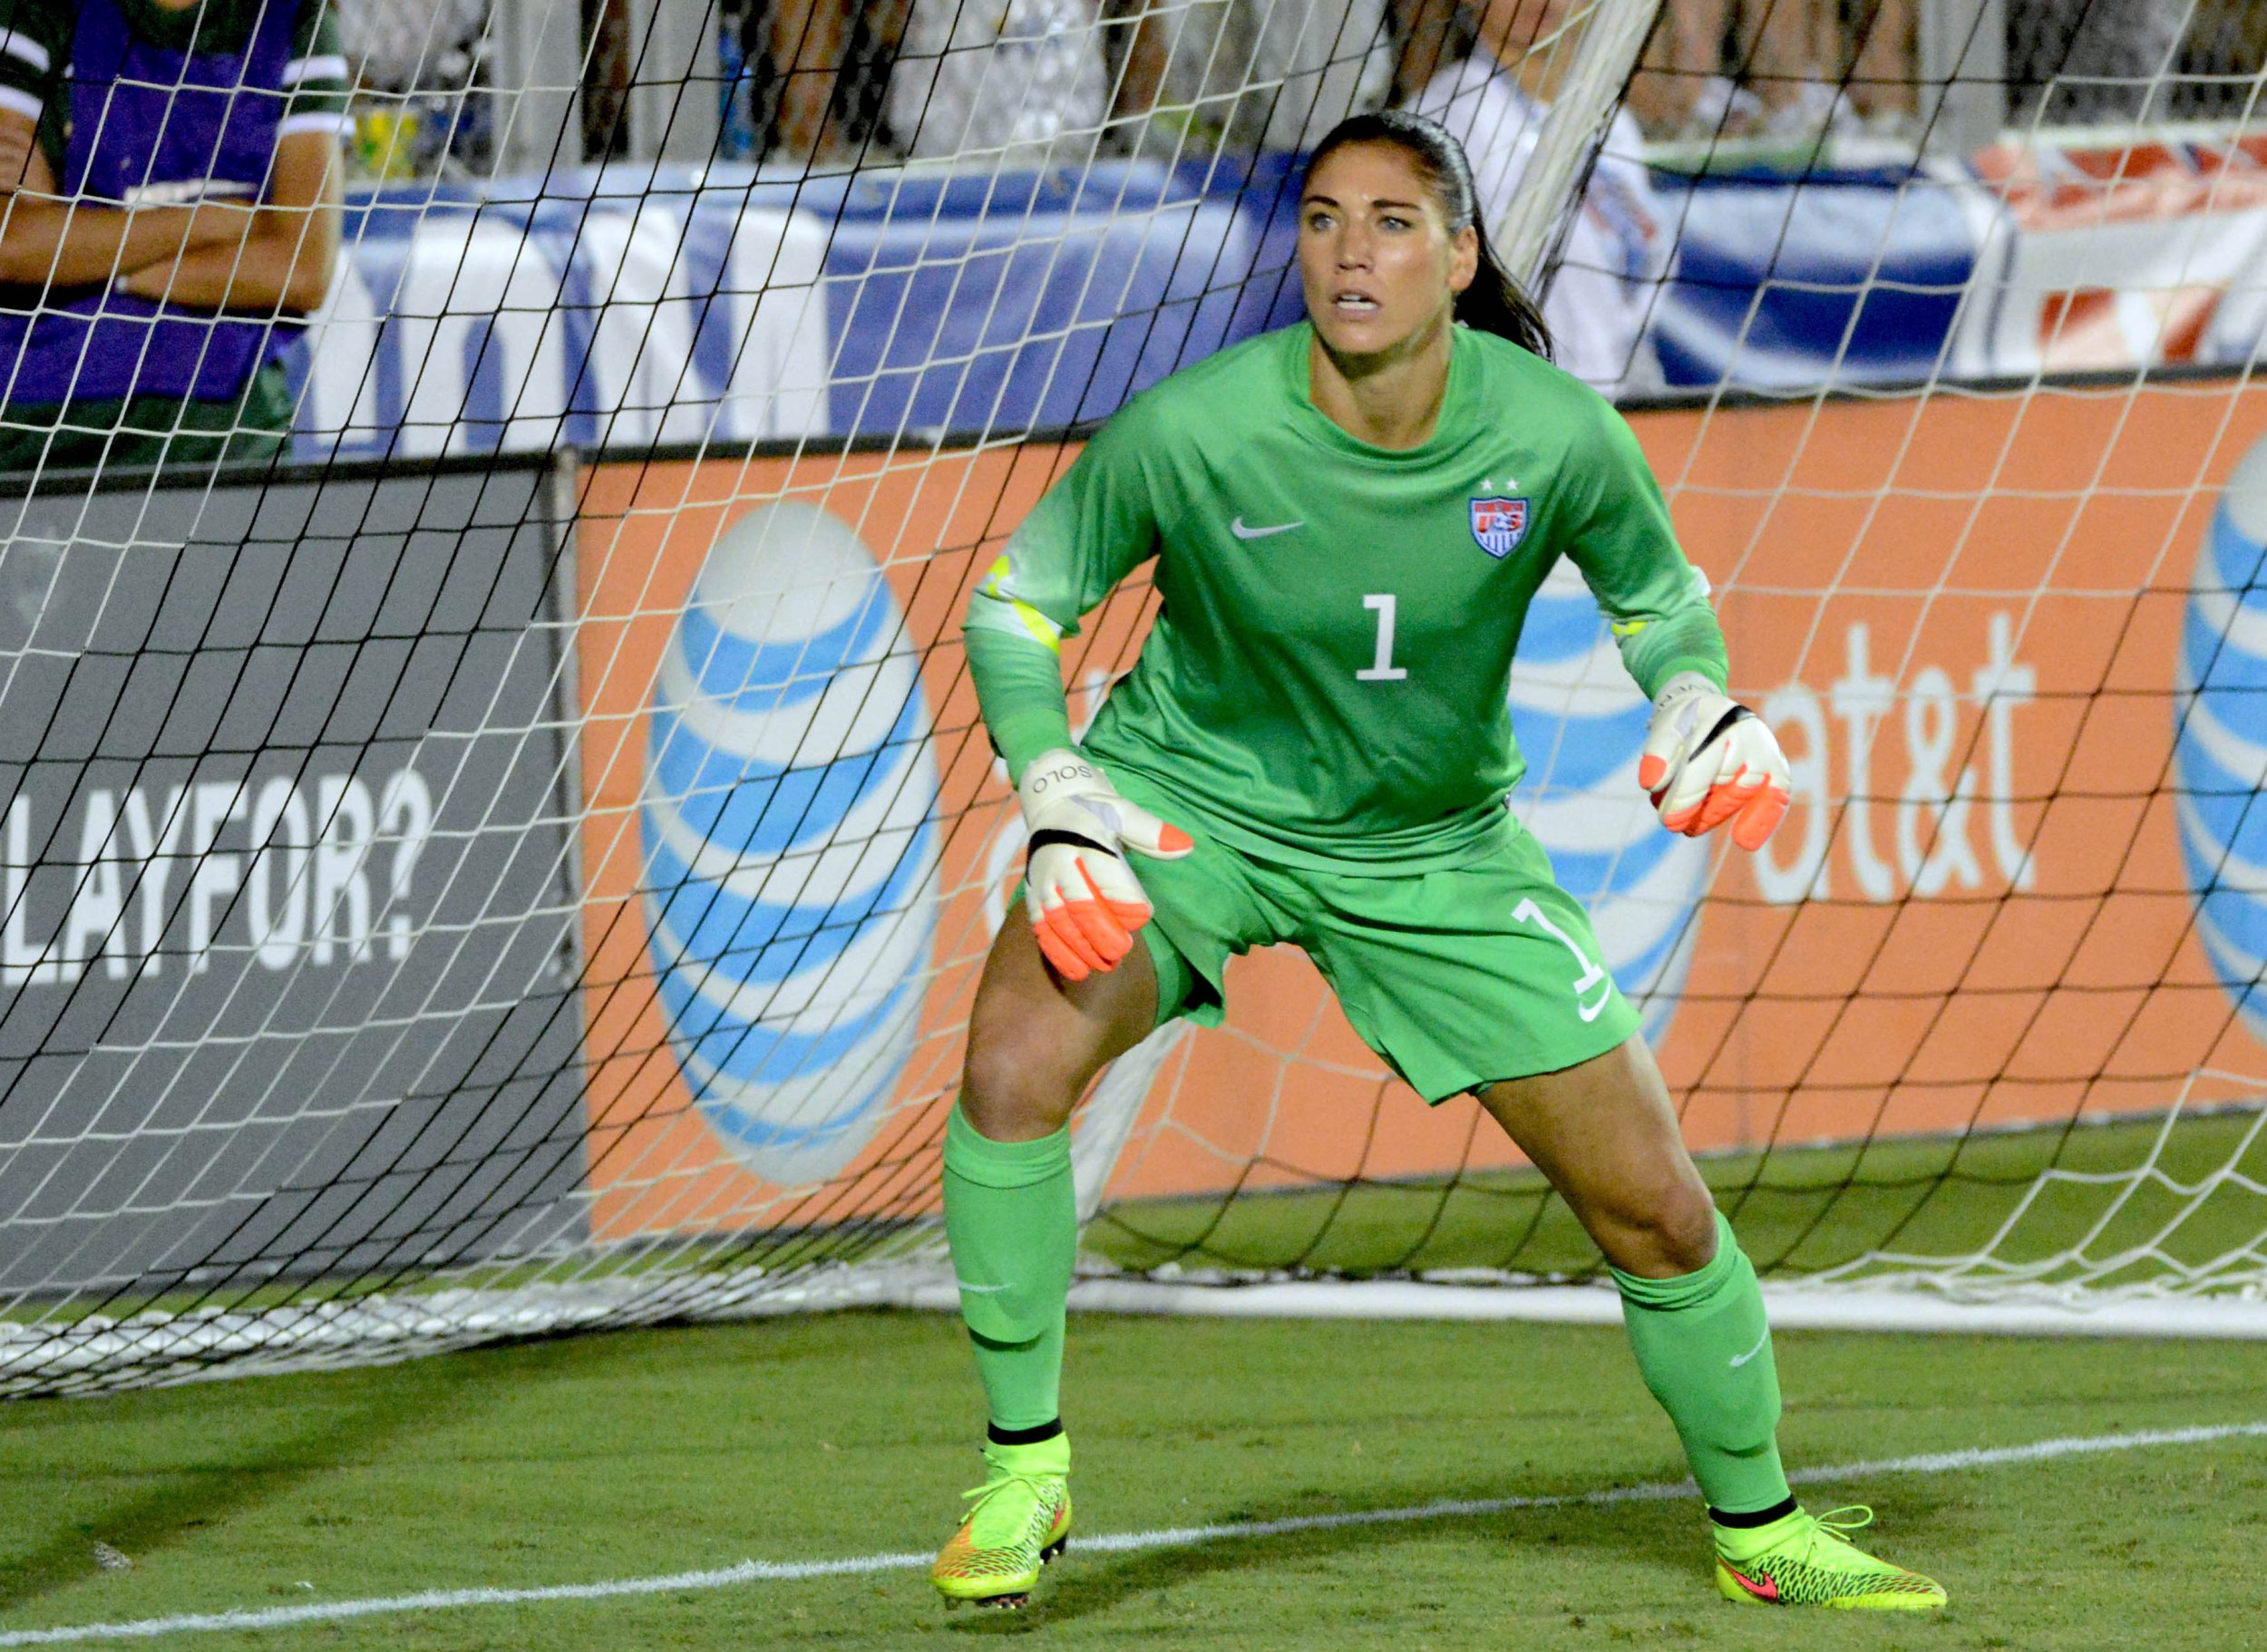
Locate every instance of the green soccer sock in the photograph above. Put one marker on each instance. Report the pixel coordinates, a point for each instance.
(1705, 1349)
(1012, 1219)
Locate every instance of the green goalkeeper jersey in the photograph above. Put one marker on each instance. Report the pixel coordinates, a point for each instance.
(1325, 681)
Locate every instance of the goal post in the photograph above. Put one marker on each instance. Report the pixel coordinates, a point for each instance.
(519, 857)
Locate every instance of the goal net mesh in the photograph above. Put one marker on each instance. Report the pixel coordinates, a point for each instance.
(508, 846)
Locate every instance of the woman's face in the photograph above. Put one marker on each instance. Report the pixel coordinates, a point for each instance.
(1377, 261)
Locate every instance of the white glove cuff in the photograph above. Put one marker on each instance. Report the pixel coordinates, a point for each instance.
(1683, 687)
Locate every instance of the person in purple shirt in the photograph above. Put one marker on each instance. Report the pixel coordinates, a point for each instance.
(173, 213)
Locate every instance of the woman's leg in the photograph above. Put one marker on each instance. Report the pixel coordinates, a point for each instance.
(1605, 1136)
(808, 38)
(1035, 1041)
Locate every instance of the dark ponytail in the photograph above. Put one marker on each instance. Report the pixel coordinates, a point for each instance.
(1494, 303)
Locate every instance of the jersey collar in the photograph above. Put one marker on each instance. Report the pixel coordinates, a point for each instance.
(1455, 426)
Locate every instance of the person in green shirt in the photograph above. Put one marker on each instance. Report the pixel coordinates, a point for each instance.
(173, 182)
(1346, 522)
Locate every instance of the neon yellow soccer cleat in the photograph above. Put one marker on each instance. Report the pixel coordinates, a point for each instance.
(1018, 1520)
(1807, 1560)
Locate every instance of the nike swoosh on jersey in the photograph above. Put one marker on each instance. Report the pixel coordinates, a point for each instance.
(1740, 1359)
(1237, 527)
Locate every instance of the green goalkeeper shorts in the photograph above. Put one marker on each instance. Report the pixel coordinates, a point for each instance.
(1456, 977)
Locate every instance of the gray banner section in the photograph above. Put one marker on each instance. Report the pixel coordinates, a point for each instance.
(286, 921)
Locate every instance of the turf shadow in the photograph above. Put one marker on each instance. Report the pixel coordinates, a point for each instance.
(238, 1472)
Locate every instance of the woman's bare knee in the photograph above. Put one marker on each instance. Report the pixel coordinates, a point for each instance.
(1036, 1041)
(1674, 1234)
(1012, 1092)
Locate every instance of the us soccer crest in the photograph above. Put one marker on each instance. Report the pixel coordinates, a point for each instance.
(1499, 524)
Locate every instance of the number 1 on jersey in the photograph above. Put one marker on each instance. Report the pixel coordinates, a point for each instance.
(1382, 669)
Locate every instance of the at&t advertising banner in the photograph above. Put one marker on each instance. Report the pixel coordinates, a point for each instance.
(2011, 644)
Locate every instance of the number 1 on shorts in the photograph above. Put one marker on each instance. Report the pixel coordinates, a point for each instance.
(1528, 912)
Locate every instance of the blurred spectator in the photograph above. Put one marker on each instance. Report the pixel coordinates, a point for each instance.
(1693, 76)
(605, 77)
(1430, 33)
(1778, 68)
(1611, 263)
(1025, 74)
(1879, 49)
(2221, 62)
(182, 193)
(806, 79)
(1730, 68)
(808, 48)
(1254, 73)
(419, 67)
(1791, 68)
(2075, 62)
(412, 45)
(16, 139)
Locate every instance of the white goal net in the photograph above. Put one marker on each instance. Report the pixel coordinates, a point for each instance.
(495, 836)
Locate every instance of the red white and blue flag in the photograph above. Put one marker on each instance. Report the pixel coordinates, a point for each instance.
(1499, 524)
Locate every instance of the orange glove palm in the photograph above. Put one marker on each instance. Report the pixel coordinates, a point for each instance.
(1084, 901)
(1708, 760)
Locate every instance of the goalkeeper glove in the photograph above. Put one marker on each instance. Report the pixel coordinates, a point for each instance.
(1083, 902)
(1708, 760)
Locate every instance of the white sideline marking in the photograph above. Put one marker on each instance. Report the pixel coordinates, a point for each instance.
(1123, 1542)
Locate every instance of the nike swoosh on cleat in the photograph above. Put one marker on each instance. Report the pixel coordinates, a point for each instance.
(1763, 1589)
(1740, 1359)
(1237, 527)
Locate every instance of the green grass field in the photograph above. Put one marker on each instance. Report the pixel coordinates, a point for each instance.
(652, 1453)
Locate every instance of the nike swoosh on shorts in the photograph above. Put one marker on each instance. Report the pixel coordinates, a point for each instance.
(1237, 527)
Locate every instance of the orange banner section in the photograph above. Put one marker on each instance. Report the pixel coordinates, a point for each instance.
(1978, 913)
(1963, 617)
(931, 524)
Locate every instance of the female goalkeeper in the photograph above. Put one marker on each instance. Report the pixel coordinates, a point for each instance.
(1348, 518)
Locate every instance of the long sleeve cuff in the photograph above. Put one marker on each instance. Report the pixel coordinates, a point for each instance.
(1020, 691)
(1689, 641)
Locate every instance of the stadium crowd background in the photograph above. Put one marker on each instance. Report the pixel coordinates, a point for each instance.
(824, 79)
(417, 94)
